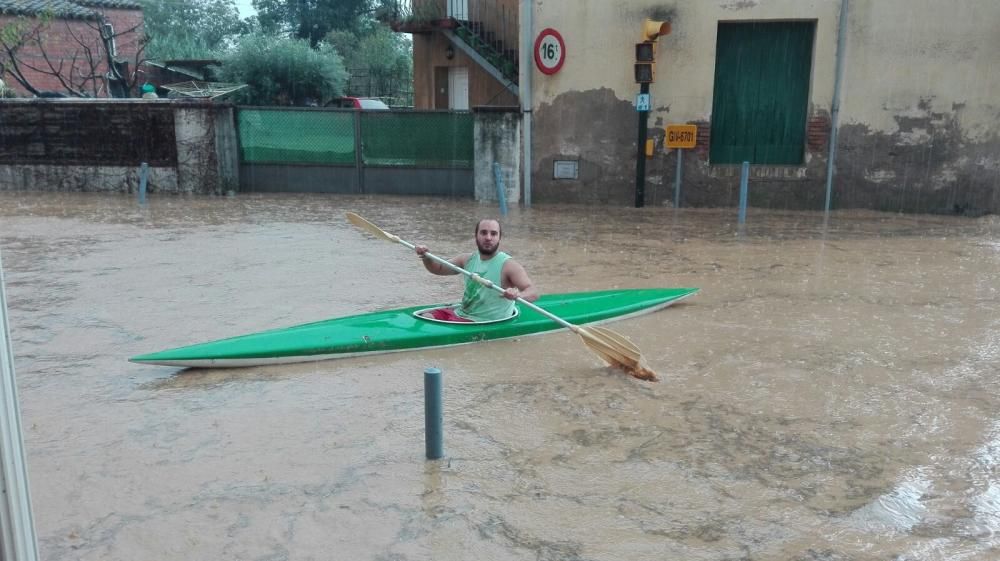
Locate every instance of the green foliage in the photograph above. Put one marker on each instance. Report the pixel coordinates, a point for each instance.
(310, 19)
(283, 71)
(379, 60)
(190, 28)
(380, 48)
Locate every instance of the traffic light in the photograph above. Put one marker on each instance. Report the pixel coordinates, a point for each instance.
(645, 52)
(645, 62)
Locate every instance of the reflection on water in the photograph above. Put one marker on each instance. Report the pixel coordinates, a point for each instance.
(899, 510)
(829, 394)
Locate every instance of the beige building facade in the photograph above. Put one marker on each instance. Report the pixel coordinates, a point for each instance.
(919, 119)
(915, 112)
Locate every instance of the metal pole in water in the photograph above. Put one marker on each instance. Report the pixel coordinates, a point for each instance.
(501, 190)
(433, 414)
(744, 179)
(677, 179)
(18, 541)
(143, 176)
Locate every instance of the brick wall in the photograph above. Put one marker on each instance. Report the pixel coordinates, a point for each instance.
(64, 43)
(100, 144)
(87, 133)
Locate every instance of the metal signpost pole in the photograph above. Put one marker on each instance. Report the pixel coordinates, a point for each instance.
(640, 154)
(677, 179)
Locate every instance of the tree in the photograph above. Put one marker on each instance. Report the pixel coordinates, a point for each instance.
(87, 64)
(191, 28)
(379, 61)
(310, 19)
(283, 71)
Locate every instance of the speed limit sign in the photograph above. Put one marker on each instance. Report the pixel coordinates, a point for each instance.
(550, 51)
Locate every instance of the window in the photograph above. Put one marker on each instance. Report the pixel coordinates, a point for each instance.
(761, 98)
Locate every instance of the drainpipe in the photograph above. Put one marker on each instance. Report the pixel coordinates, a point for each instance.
(526, 61)
(835, 106)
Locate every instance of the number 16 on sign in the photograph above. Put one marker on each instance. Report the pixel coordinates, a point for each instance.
(550, 51)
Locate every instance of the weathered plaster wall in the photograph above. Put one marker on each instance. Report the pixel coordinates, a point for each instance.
(197, 162)
(595, 89)
(919, 116)
(497, 134)
(921, 110)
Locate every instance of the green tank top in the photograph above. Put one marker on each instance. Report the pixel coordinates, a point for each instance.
(480, 303)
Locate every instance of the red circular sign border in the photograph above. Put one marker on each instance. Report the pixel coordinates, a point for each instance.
(562, 45)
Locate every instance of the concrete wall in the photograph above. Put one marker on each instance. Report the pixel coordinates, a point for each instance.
(920, 120)
(98, 145)
(920, 117)
(497, 134)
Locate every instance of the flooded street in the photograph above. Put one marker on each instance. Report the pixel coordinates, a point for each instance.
(830, 394)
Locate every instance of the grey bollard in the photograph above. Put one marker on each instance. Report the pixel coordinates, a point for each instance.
(433, 414)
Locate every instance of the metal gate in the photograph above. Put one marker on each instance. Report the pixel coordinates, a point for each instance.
(350, 151)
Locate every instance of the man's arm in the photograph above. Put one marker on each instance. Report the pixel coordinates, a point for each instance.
(517, 283)
(437, 268)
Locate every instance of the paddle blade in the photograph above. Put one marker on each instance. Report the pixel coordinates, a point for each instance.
(367, 226)
(623, 344)
(616, 350)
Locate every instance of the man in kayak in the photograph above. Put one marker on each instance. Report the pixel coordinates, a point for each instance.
(478, 302)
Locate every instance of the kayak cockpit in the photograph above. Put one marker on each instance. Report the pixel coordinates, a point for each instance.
(427, 314)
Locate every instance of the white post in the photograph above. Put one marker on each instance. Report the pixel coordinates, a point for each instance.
(18, 540)
(527, 60)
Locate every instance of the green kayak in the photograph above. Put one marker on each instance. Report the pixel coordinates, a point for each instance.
(404, 330)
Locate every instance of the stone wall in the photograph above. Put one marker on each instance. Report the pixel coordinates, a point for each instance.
(98, 145)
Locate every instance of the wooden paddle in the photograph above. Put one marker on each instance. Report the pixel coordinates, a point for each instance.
(611, 347)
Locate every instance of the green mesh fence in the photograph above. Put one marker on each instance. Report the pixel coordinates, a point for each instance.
(414, 138)
(296, 137)
(389, 138)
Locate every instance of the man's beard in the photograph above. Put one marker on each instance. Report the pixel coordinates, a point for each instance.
(485, 251)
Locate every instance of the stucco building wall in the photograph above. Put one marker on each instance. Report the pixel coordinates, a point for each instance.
(920, 121)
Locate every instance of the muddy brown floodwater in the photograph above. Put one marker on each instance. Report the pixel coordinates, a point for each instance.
(830, 394)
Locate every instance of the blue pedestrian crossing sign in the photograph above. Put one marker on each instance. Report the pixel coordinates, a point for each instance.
(642, 102)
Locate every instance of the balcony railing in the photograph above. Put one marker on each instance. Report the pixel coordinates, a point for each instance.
(490, 27)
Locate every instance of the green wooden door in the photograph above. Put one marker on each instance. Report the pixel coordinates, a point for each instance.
(761, 98)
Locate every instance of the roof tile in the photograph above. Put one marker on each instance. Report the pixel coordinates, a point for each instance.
(72, 9)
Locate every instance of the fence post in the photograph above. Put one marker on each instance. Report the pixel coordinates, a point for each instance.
(359, 161)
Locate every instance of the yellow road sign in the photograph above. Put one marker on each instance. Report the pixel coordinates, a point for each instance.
(681, 136)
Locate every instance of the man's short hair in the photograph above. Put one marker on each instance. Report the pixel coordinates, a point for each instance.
(499, 225)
